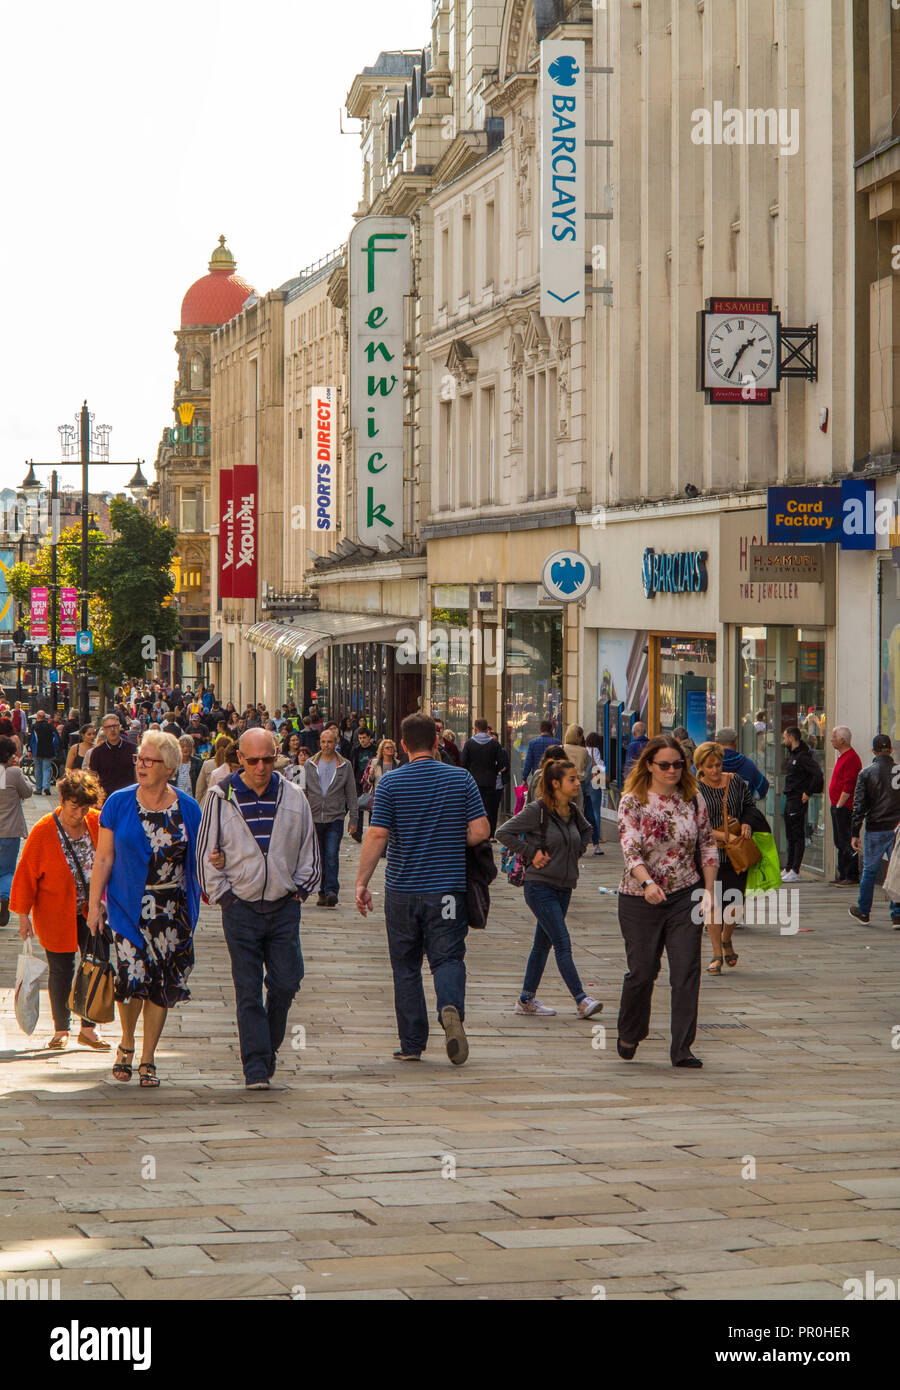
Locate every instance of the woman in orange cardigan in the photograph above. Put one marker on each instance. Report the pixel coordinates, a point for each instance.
(52, 882)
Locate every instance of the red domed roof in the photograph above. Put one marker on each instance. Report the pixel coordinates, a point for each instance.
(219, 295)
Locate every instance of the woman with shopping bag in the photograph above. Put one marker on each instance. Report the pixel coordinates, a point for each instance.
(729, 803)
(50, 892)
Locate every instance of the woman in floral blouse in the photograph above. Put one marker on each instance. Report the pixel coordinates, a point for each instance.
(665, 837)
(146, 862)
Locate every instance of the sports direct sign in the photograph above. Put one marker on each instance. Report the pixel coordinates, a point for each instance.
(563, 108)
(323, 433)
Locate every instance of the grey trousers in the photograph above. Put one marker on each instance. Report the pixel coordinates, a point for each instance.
(649, 929)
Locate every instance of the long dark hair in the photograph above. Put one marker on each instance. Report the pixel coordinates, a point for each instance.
(551, 776)
(639, 778)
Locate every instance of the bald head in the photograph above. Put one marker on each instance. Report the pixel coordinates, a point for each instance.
(256, 743)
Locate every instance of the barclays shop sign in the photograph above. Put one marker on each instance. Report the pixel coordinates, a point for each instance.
(567, 576)
(674, 572)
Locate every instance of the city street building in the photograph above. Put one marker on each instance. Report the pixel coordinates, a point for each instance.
(183, 497)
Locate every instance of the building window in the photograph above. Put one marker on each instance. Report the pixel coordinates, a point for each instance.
(541, 410)
(198, 372)
(466, 287)
(467, 490)
(490, 243)
(445, 490)
(488, 439)
(445, 267)
(191, 514)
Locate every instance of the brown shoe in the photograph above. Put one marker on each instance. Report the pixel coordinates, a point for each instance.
(95, 1043)
(59, 1043)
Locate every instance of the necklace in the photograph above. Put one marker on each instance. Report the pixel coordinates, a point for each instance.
(164, 807)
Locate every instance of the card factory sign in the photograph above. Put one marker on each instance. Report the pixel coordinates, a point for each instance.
(323, 445)
(380, 277)
(563, 123)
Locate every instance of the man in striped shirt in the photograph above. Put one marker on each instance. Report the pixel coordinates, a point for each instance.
(258, 857)
(426, 813)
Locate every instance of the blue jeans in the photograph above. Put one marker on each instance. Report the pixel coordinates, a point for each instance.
(593, 799)
(432, 925)
(258, 943)
(330, 834)
(550, 906)
(9, 853)
(876, 845)
(42, 774)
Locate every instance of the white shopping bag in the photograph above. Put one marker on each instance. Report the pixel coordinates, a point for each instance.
(891, 883)
(28, 986)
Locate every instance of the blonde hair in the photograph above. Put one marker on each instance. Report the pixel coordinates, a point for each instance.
(705, 751)
(166, 745)
(379, 751)
(574, 735)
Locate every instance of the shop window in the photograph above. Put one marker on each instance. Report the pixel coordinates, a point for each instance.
(686, 685)
(450, 673)
(533, 671)
(781, 682)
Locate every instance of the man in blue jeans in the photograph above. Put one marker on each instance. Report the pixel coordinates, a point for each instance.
(426, 812)
(876, 803)
(258, 859)
(44, 747)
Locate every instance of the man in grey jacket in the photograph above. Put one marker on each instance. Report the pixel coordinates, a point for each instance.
(258, 859)
(331, 792)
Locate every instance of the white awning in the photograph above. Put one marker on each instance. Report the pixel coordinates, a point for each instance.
(308, 633)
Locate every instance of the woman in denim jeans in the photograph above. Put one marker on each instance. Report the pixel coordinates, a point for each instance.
(551, 835)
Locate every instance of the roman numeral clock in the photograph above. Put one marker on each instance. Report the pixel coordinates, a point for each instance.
(744, 351)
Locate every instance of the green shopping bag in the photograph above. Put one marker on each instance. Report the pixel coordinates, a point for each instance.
(766, 872)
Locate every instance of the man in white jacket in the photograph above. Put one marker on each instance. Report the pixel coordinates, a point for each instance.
(259, 860)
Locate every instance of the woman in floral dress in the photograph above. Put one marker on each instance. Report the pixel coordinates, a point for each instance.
(666, 841)
(146, 862)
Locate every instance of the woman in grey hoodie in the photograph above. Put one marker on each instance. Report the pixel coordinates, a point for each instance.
(551, 835)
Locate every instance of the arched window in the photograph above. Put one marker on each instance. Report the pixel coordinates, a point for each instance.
(198, 372)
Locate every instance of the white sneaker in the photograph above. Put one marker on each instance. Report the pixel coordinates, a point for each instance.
(588, 1007)
(532, 1006)
(790, 877)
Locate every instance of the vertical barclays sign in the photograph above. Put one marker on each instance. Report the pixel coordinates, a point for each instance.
(380, 278)
(563, 126)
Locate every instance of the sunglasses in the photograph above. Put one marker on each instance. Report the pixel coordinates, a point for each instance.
(666, 767)
(251, 762)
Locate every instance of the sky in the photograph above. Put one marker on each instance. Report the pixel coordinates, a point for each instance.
(134, 136)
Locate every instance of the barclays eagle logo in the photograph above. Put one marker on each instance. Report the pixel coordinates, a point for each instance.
(567, 576)
(564, 70)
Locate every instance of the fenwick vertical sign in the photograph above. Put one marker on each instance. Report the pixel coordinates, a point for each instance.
(380, 276)
(226, 533)
(562, 177)
(246, 538)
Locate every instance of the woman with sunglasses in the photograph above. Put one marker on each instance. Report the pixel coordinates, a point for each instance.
(666, 842)
(146, 863)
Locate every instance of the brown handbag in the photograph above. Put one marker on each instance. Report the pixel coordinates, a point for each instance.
(93, 992)
(742, 852)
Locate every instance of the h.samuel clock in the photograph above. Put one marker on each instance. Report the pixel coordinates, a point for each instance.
(744, 351)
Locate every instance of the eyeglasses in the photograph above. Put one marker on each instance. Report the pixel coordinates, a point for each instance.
(666, 767)
(144, 762)
(251, 762)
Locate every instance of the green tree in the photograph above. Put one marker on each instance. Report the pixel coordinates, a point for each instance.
(130, 586)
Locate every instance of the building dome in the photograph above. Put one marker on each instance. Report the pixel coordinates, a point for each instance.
(219, 295)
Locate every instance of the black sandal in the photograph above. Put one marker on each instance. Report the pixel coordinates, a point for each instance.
(147, 1074)
(123, 1066)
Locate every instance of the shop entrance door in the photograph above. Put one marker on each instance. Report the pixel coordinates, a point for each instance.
(781, 680)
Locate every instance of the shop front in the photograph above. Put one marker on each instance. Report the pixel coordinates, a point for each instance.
(781, 635)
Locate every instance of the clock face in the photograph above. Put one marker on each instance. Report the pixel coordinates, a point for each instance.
(741, 350)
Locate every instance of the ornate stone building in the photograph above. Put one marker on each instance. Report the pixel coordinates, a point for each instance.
(184, 497)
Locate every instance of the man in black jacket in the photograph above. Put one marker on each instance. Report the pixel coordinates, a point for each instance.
(802, 779)
(876, 801)
(483, 757)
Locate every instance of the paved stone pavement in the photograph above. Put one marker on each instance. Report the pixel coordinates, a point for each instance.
(546, 1168)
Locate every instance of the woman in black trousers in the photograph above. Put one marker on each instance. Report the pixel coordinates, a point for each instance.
(666, 840)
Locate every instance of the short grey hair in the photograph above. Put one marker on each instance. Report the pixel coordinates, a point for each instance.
(166, 745)
(726, 736)
(843, 733)
(186, 741)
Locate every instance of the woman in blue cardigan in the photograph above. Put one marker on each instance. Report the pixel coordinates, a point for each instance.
(146, 862)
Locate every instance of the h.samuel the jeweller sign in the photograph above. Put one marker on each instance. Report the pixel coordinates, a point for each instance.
(681, 572)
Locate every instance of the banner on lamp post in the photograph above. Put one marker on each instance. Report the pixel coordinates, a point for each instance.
(226, 533)
(68, 616)
(563, 129)
(40, 612)
(380, 277)
(246, 538)
(323, 447)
